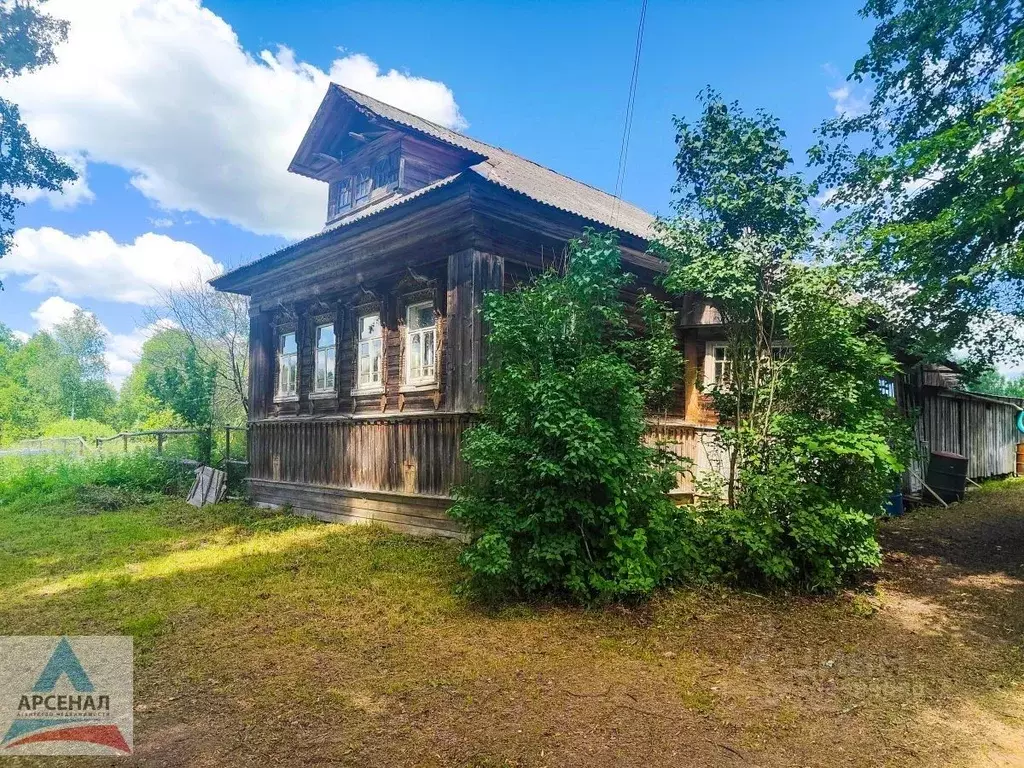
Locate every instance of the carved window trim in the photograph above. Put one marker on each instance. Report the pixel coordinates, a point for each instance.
(425, 296)
(281, 330)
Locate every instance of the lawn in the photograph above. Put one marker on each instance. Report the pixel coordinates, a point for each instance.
(267, 639)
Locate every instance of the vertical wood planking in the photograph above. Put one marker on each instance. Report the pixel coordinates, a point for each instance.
(471, 274)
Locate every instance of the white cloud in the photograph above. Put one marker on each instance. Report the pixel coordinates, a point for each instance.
(849, 102)
(52, 312)
(164, 89)
(162, 222)
(21, 336)
(123, 350)
(96, 266)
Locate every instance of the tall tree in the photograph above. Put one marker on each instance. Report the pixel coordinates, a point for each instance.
(930, 177)
(804, 431)
(27, 41)
(82, 366)
(137, 403)
(217, 327)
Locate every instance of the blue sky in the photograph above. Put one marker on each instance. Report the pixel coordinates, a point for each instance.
(184, 130)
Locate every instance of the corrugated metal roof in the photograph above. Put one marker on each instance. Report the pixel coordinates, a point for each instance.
(499, 167)
(521, 175)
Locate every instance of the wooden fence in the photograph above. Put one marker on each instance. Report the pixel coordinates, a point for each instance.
(227, 462)
(49, 445)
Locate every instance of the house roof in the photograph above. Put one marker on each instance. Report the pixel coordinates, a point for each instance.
(497, 166)
(513, 172)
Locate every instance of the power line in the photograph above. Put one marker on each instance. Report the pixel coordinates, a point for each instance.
(630, 101)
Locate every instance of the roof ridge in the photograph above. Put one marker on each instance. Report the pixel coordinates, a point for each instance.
(516, 155)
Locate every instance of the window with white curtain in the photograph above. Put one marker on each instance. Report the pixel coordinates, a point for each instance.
(287, 365)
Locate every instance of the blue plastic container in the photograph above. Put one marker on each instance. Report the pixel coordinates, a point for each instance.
(894, 506)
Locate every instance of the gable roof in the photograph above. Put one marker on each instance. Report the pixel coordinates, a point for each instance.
(517, 173)
(495, 165)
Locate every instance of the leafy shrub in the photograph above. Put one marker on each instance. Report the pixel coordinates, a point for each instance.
(564, 495)
(810, 445)
(56, 479)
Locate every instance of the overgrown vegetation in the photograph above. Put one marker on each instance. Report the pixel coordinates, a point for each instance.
(809, 445)
(105, 482)
(563, 493)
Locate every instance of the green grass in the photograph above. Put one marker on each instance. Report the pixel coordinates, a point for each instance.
(256, 631)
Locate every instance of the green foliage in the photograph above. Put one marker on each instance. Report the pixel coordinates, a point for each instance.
(564, 495)
(990, 382)
(930, 175)
(89, 429)
(138, 406)
(81, 367)
(809, 446)
(27, 40)
(186, 389)
(57, 479)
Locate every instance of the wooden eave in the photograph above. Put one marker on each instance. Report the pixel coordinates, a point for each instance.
(505, 222)
(333, 119)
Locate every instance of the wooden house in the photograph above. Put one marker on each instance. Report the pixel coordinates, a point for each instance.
(366, 338)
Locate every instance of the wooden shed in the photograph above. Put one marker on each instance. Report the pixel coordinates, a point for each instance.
(366, 338)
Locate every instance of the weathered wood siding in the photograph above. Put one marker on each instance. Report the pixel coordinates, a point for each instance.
(409, 454)
(471, 274)
(692, 443)
(397, 470)
(979, 428)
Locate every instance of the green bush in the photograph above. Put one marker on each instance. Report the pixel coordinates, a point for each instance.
(564, 495)
(88, 429)
(57, 479)
(810, 445)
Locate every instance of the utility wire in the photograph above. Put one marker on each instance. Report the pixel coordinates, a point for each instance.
(630, 101)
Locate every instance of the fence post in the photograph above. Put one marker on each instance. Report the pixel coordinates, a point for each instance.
(159, 443)
(227, 446)
(125, 436)
(208, 448)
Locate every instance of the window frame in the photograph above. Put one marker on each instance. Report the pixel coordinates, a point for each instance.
(330, 369)
(363, 175)
(422, 381)
(369, 388)
(281, 395)
(710, 379)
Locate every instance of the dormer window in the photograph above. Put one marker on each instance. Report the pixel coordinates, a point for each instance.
(364, 186)
(369, 183)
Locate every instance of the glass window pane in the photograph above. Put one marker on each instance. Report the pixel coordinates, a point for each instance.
(428, 353)
(369, 327)
(288, 344)
(420, 316)
(325, 336)
(364, 186)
